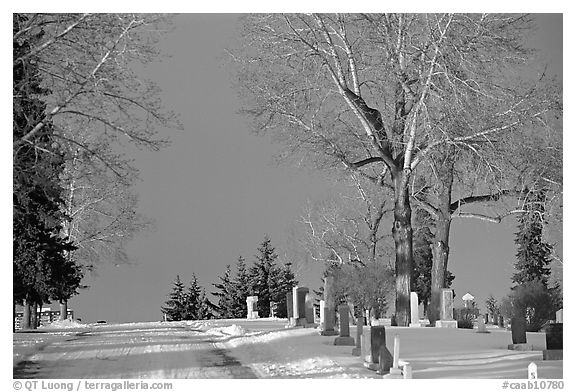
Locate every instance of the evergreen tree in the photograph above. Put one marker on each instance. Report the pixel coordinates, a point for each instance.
(492, 305)
(241, 284)
(175, 306)
(286, 281)
(192, 300)
(205, 307)
(259, 276)
(40, 271)
(225, 295)
(533, 256)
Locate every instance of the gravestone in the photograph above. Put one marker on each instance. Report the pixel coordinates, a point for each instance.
(446, 310)
(295, 304)
(252, 307)
(290, 308)
(414, 319)
(344, 339)
(501, 321)
(373, 339)
(554, 342)
(273, 309)
(309, 309)
(560, 316)
(519, 343)
(482, 325)
(485, 318)
(356, 351)
(329, 306)
(321, 314)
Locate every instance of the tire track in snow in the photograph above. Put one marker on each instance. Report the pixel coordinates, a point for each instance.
(167, 352)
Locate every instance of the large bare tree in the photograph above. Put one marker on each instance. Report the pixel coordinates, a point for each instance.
(100, 107)
(381, 94)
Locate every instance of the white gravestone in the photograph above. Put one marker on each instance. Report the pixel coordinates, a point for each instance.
(414, 319)
(295, 303)
(560, 316)
(251, 304)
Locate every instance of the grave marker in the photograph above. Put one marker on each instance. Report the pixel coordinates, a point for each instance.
(446, 310)
(252, 307)
(357, 351)
(482, 324)
(554, 342)
(519, 342)
(414, 319)
(374, 339)
(329, 314)
(344, 339)
(290, 308)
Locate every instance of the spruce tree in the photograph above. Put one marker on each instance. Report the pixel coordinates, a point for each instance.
(259, 276)
(286, 281)
(241, 284)
(533, 256)
(225, 295)
(192, 300)
(175, 306)
(205, 307)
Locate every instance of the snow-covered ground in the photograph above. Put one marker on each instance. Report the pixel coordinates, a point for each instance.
(262, 348)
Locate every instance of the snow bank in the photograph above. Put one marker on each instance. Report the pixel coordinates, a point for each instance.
(231, 330)
(63, 324)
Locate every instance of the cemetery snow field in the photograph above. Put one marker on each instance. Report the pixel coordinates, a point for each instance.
(262, 348)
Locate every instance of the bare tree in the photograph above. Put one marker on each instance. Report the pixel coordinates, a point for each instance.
(96, 102)
(347, 228)
(380, 94)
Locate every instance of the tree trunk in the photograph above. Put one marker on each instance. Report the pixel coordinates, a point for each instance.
(402, 234)
(33, 315)
(440, 248)
(63, 310)
(26, 317)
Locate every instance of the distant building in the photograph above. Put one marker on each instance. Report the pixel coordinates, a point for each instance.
(45, 316)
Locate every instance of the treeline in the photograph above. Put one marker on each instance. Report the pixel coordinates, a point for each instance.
(265, 278)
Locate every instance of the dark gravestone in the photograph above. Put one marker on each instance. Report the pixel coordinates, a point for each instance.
(501, 321)
(289, 305)
(518, 326)
(554, 342)
(486, 318)
(374, 338)
(309, 309)
(554, 334)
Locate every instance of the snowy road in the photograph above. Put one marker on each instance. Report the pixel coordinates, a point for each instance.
(156, 350)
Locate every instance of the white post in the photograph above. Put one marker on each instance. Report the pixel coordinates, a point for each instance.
(532, 371)
(396, 351)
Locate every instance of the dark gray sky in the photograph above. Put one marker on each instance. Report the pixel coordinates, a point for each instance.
(215, 192)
